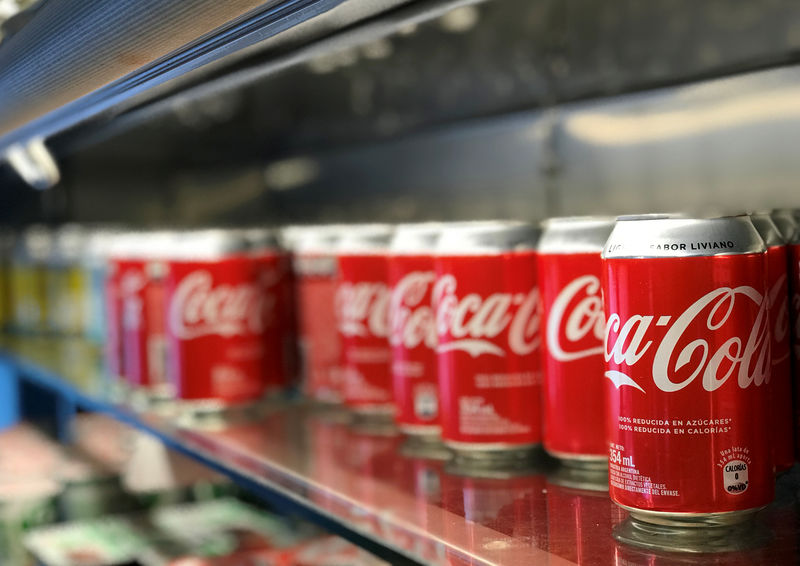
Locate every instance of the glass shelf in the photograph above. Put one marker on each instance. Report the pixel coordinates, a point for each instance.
(407, 497)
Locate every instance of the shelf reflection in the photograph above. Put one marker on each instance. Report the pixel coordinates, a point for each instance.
(408, 496)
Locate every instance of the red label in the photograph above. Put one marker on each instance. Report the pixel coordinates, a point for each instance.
(362, 306)
(573, 354)
(487, 317)
(141, 303)
(688, 353)
(320, 346)
(782, 419)
(217, 315)
(413, 340)
(275, 279)
(793, 252)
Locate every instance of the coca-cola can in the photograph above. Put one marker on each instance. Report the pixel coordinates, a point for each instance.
(362, 307)
(487, 317)
(687, 350)
(274, 276)
(137, 307)
(569, 271)
(316, 272)
(217, 312)
(781, 415)
(413, 329)
(788, 221)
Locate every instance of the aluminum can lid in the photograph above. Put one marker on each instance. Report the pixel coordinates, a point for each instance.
(419, 238)
(575, 234)
(648, 237)
(767, 229)
(487, 237)
(365, 239)
(34, 245)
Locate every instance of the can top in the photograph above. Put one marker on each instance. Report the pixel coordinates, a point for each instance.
(317, 240)
(575, 234)
(486, 237)
(34, 245)
(683, 237)
(207, 244)
(69, 244)
(143, 244)
(261, 238)
(365, 239)
(415, 238)
(767, 229)
(786, 220)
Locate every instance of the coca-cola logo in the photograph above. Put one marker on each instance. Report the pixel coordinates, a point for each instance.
(473, 323)
(626, 342)
(576, 321)
(363, 309)
(200, 308)
(411, 317)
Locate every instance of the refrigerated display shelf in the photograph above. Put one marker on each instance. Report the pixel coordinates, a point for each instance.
(404, 499)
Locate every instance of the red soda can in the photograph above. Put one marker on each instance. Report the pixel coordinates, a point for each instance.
(413, 329)
(362, 307)
(216, 314)
(687, 348)
(569, 271)
(140, 276)
(275, 279)
(487, 317)
(112, 350)
(781, 415)
(315, 272)
(787, 221)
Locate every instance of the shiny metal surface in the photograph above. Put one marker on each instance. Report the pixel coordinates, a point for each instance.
(489, 237)
(365, 238)
(575, 234)
(410, 501)
(683, 237)
(767, 229)
(415, 238)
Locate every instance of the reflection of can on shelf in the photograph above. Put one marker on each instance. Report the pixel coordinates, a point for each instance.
(569, 271)
(362, 310)
(503, 509)
(28, 279)
(487, 317)
(581, 516)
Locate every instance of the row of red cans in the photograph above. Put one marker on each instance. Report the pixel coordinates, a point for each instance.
(456, 310)
(201, 316)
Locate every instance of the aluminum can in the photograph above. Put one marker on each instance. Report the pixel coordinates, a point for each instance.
(781, 415)
(216, 314)
(66, 282)
(487, 317)
(6, 251)
(788, 222)
(28, 284)
(412, 332)
(316, 272)
(569, 271)
(687, 348)
(95, 262)
(274, 275)
(362, 311)
(140, 272)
